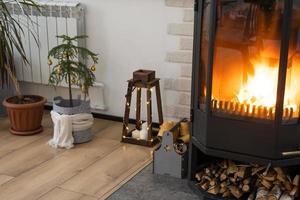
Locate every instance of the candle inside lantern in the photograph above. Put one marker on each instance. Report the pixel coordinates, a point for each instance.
(144, 131)
(136, 134)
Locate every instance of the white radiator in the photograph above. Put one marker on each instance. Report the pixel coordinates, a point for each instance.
(57, 17)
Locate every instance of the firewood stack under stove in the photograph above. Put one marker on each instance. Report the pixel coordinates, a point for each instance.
(229, 179)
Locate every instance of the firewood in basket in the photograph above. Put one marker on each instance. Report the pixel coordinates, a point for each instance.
(294, 192)
(275, 193)
(251, 196)
(224, 184)
(214, 171)
(288, 186)
(232, 168)
(233, 180)
(247, 181)
(226, 194)
(223, 190)
(281, 177)
(219, 172)
(279, 170)
(223, 176)
(277, 182)
(296, 180)
(205, 186)
(246, 188)
(256, 170)
(289, 178)
(267, 169)
(286, 196)
(212, 182)
(241, 172)
(199, 176)
(261, 193)
(235, 191)
(266, 184)
(270, 177)
(207, 171)
(224, 164)
(214, 190)
(206, 178)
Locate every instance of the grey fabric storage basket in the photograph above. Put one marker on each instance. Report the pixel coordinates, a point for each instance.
(61, 106)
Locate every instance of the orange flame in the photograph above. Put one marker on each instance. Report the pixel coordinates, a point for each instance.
(261, 88)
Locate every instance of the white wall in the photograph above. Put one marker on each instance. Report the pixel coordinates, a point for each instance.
(128, 34)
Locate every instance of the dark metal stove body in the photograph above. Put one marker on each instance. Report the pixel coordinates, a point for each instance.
(225, 31)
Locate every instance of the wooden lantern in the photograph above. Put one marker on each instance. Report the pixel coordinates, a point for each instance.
(139, 82)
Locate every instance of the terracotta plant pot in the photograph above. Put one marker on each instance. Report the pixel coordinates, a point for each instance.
(25, 118)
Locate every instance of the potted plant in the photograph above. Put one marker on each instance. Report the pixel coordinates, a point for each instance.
(25, 111)
(70, 68)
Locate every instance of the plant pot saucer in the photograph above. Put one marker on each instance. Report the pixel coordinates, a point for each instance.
(26, 133)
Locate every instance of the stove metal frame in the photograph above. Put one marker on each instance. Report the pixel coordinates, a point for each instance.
(248, 141)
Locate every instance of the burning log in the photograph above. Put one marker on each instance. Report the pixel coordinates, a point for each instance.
(265, 112)
(260, 112)
(215, 104)
(248, 109)
(253, 110)
(236, 108)
(226, 106)
(231, 107)
(270, 114)
(291, 113)
(221, 105)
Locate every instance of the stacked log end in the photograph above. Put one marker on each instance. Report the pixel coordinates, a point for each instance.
(230, 179)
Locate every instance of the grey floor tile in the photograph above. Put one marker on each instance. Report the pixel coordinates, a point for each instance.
(148, 186)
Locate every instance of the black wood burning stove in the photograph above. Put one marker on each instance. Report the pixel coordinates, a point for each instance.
(246, 81)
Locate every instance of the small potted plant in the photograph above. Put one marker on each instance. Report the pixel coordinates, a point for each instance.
(70, 68)
(25, 111)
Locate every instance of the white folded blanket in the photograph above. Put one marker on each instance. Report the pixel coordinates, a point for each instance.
(64, 125)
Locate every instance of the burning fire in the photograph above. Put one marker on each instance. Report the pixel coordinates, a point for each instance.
(261, 88)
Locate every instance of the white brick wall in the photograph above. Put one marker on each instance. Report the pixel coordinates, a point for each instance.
(180, 86)
(180, 56)
(185, 29)
(188, 15)
(186, 70)
(186, 43)
(180, 3)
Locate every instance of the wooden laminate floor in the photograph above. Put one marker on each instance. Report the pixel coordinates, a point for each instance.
(30, 169)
